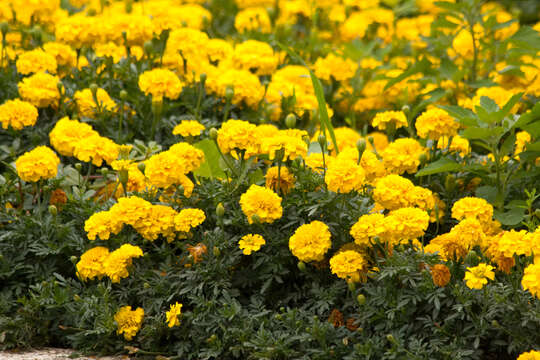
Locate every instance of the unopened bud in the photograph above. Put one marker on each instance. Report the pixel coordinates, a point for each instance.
(290, 121)
(423, 158)
(73, 259)
(93, 88)
(78, 166)
(361, 299)
(146, 285)
(301, 266)
(216, 251)
(60, 87)
(141, 166)
(471, 258)
(450, 183)
(202, 78)
(229, 93)
(76, 297)
(361, 146)
(351, 285)
(495, 323)
(391, 338)
(213, 133)
(322, 141)
(123, 177)
(405, 109)
(123, 95)
(220, 210)
(148, 47)
(36, 32)
(4, 28)
(129, 6)
(53, 210)
(104, 172)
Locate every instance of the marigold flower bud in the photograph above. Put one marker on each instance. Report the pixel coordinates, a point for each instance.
(290, 121)
(537, 213)
(361, 299)
(229, 93)
(351, 285)
(202, 78)
(146, 285)
(4, 28)
(73, 259)
(123, 95)
(53, 210)
(322, 141)
(301, 266)
(391, 338)
(220, 210)
(141, 167)
(78, 166)
(60, 87)
(450, 183)
(104, 172)
(148, 47)
(361, 146)
(213, 133)
(256, 219)
(216, 251)
(405, 108)
(76, 297)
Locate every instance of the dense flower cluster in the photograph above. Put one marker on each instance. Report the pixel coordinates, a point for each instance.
(310, 241)
(17, 114)
(39, 164)
(260, 204)
(129, 321)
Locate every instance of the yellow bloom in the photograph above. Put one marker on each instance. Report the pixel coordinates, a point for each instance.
(406, 223)
(396, 119)
(285, 180)
(344, 176)
(263, 202)
(391, 192)
(238, 135)
(531, 355)
(476, 277)
(41, 89)
(472, 207)
(41, 163)
(336, 67)
(436, 123)
(67, 133)
(310, 241)
(95, 149)
(188, 218)
(87, 105)
(172, 315)
(291, 146)
(160, 83)
(253, 19)
(117, 263)
(403, 155)
(251, 243)
(35, 61)
(348, 265)
(129, 321)
(531, 279)
(368, 227)
(92, 262)
(188, 128)
(255, 56)
(440, 275)
(17, 114)
(458, 144)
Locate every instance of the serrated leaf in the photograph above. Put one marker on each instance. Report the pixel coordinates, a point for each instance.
(510, 218)
(439, 166)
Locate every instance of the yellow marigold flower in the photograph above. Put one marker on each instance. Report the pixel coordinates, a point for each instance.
(160, 83)
(246, 86)
(95, 149)
(251, 243)
(41, 163)
(188, 218)
(522, 139)
(263, 202)
(64, 54)
(531, 279)
(41, 89)
(219, 50)
(188, 128)
(172, 315)
(122, 164)
(395, 119)
(128, 321)
(406, 223)
(35, 61)
(87, 105)
(310, 241)
(255, 56)
(285, 181)
(238, 135)
(436, 123)
(91, 264)
(116, 265)
(367, 228)
(403, 155)
(253, 19)
(531, 355)
(344, 176)
(373, 167)
(67, 133)
(17, 114)
(472, 207)
(315, 162)
(291, 146)
(165, 169)
(102, 224)
(513, 242)
(189, 155)
(391, 190)
(458, 144)
(348, 265)
(476, 277)
(469, 232)
(159, 220)
(440, 275)
(336, 67)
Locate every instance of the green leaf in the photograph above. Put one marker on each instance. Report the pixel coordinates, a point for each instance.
(489, 104)
(478, 133)
(526, 38)
(319, 93)
(210, 167)
(439, 166)
(488, 193)
(510, 218)
(465, 116)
